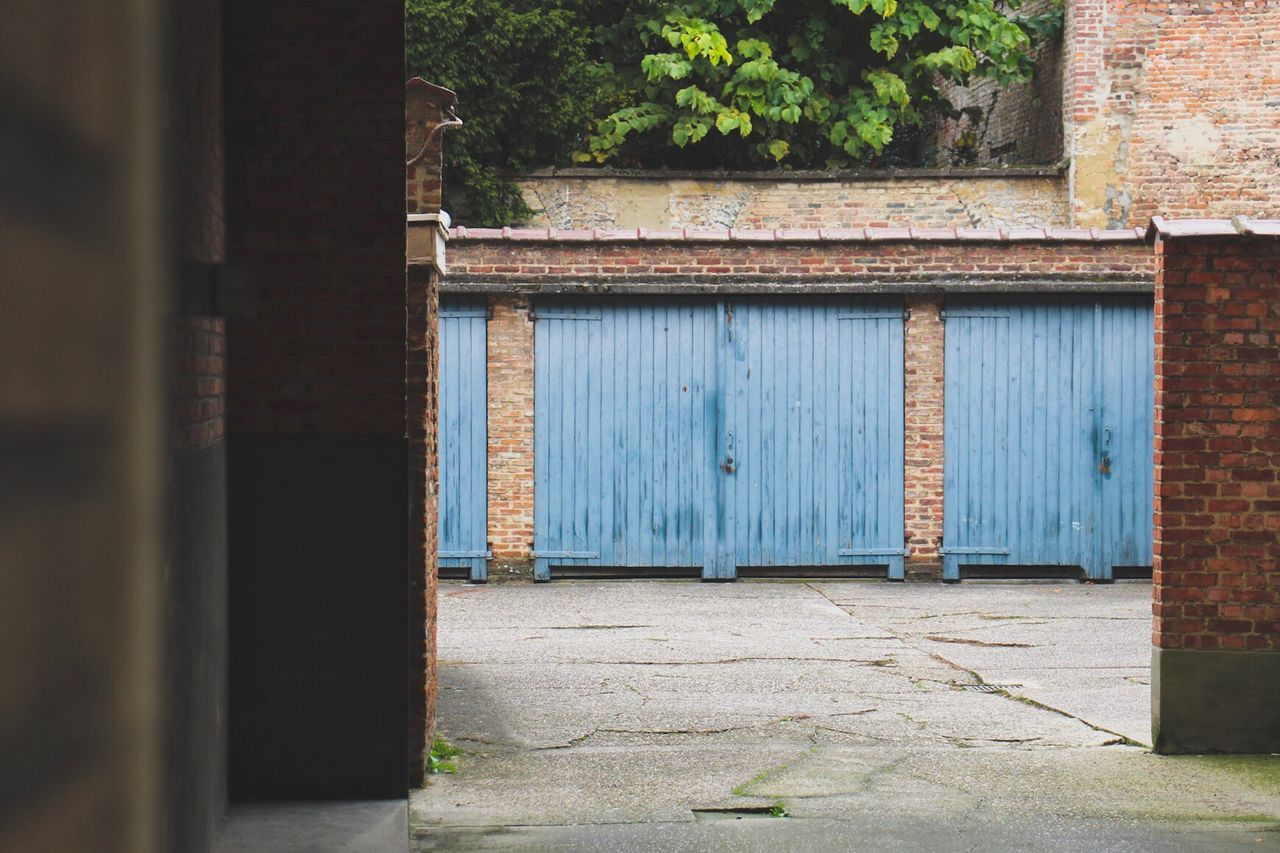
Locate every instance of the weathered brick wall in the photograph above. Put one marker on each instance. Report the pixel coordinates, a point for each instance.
(510, 379)
(1217, 505)
(196, 118)
(1020, 123)
(897, 257)
(195, 577)
(429, 111)
(424, 489)
(325, 352)
(1171, 109)
(425, 112)
(199, 383)
(922, 429)
(595, 198)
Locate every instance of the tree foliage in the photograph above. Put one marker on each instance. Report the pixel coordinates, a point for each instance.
(811, 83)
(699, 83)
(527, 89)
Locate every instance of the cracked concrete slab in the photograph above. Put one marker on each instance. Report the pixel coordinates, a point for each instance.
(600, 715)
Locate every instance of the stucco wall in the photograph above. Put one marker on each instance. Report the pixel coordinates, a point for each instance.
(979, 198)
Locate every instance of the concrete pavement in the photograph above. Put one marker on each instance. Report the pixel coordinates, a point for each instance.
(677, 715)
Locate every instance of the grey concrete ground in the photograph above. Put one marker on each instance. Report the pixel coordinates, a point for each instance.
(677, 715)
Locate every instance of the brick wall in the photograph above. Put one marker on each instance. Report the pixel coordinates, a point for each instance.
(196, 123)
(891, 256)
(599, 198)
(923, 356)
(427, 107)
(510, 379)
(1020, 123)
(429, 110)
(1171, 109)
(1217, 510)
(325, 352)
(195, 578)
(424, 483)
(199, 384)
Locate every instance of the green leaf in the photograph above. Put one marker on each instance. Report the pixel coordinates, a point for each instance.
(726, 123)
(756, 9)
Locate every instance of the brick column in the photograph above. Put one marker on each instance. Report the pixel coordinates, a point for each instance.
(422, 399)
(511, 435)
(1216, 664)
(1083, 93)
(428, 110)
(923, 359)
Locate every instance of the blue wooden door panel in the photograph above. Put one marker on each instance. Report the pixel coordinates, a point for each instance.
(1035, 387)
(463, 435)
(815, 420)
(714, 433)
(1127, 430)
(623, 432)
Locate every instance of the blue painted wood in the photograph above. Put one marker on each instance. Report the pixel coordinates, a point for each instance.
(463, 435)
(816, 413)
(718, 433)
(1048, 432)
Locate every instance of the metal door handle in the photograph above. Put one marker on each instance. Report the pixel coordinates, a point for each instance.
(1106, 437)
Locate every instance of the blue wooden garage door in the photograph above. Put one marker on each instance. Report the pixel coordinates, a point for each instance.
(463, 437)
(1048, 433)
(718, 434)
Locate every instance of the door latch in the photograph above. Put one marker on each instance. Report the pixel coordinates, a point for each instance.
(727, 465)
(1104, 467)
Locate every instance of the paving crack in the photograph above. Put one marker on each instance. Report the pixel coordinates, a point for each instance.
(569, 744)
(979, 643)
(591, 627)
(747, 659)
(1117, 738)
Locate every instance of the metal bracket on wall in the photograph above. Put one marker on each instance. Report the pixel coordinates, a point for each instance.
(945, 315)
(563, 315)
(904, 314)
(873, 552)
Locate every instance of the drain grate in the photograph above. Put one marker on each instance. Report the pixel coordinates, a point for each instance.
(988, 688)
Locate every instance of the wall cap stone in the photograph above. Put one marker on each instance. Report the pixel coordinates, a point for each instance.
(427, 234)
(802, 176)
(747, 284)
(814, 235)
(1240, 226)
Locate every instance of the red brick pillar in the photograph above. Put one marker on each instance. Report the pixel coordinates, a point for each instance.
(923, 359)
(511, 435)
(428, 111)
(1216, 664)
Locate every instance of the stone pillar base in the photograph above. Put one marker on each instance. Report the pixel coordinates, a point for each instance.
(1215, 701)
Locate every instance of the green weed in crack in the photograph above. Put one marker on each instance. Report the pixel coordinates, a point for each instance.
(439, 761)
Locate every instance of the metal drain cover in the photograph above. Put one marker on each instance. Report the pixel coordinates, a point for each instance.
(988, 688)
